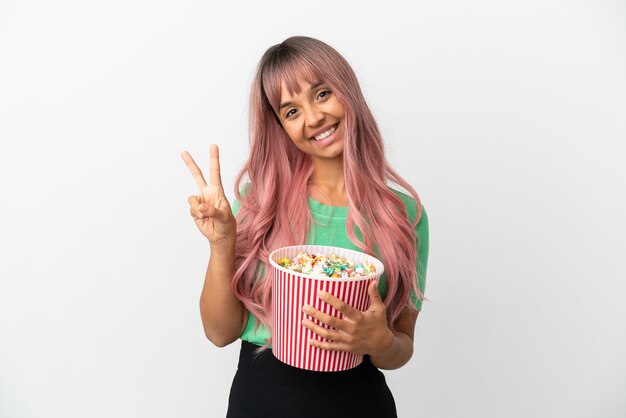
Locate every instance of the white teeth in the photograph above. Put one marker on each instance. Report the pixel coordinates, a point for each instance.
(325, 134)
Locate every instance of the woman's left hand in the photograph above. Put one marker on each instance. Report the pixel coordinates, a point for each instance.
(358, 332)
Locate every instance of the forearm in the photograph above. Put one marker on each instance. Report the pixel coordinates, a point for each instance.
(397, 355)
(221, 312)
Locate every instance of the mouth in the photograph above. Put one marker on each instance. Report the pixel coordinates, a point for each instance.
(324, 135)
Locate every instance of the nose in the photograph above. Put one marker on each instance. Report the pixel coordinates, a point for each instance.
(314, 116)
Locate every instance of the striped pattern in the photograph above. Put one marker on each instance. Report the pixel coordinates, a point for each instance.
(290, 290)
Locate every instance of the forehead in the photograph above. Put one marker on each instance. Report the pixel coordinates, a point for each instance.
(286, 77)
(293, 88)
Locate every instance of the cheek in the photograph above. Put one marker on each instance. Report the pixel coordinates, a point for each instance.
(293, 133)
(290, 135)
(338, 108)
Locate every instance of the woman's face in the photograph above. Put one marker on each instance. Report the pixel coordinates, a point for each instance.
(313, 119)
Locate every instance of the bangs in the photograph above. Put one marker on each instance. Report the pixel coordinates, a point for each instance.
(288, 69)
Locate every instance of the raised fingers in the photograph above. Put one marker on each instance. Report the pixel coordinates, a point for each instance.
(214, 170)
(194, 170)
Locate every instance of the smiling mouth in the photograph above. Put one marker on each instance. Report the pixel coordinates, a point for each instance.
(326, 134)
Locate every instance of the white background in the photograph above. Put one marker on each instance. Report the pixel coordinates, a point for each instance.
(507, 117)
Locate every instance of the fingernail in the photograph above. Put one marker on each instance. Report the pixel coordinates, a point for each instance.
(305, 309)
(321, 293)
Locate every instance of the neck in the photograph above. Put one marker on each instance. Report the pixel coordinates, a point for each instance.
(328, 182)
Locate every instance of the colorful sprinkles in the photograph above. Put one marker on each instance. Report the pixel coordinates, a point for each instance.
(320, 265)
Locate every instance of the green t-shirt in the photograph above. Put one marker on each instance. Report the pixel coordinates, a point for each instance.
(330, 229)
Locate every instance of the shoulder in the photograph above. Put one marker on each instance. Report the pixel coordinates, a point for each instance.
(412, 207)
(245, 189)
(243, 192)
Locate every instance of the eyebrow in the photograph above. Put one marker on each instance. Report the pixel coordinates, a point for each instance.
(313, 87)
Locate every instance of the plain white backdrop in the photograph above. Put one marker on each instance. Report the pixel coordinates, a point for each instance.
(507, 117)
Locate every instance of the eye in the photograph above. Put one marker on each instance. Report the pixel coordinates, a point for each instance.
(323, 94)
(289, 113)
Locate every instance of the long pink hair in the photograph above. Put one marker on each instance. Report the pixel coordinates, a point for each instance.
(274, 210)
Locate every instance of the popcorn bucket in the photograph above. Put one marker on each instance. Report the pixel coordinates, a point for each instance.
(291, 290)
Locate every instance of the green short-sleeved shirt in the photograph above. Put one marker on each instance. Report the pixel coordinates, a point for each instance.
(330, 229)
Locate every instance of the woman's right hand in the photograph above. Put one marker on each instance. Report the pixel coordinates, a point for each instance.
(210, 209)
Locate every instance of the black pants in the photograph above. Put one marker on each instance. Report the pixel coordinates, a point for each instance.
(265, 387)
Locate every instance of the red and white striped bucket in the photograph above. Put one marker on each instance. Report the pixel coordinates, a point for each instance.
(292, 290)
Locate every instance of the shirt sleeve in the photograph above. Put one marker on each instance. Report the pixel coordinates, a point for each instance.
(236, 203)
(235, 207)
(421, 232)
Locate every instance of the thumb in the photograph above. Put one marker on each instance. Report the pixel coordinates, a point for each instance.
(374, 293)
(222, 209)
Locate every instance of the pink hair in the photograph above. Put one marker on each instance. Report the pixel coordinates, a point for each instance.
(274, 210)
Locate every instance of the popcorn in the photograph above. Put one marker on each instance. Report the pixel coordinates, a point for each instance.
(320, 265)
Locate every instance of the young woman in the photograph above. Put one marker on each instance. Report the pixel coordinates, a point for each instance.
(316, 174)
